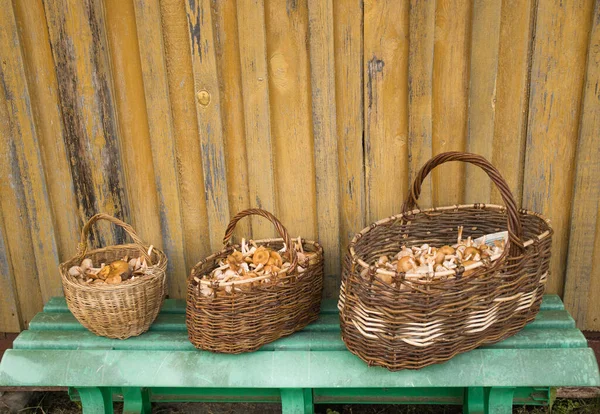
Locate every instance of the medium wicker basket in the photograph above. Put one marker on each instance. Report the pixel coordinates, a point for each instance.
(423, 319)
(244, 320)
(116, 311)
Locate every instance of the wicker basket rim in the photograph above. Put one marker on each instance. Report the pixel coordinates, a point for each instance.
(364, 231)
(319, 251)
(160, 268)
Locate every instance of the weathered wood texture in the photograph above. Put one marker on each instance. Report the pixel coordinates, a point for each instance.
(174, 115)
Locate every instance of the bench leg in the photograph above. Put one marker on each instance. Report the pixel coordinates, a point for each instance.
(474, 399)
(297, 401)
(499, 400)
(95, 400)
(136, 401)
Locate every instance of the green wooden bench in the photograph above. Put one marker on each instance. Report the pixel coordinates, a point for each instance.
(310, 367)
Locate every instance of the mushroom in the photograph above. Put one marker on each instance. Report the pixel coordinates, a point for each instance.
(470, 271)
(114, 280)
(442, 253)
(104, 272)
(383, 260)
(278, 260)
(385, 278)
(440, 268)
(206, 290)
(76, 271)
(118, 267)
(86, 264)
(406, 264)
(460, 232)
(472, 253)
(261, 256)
(237, 256)
(404, 252)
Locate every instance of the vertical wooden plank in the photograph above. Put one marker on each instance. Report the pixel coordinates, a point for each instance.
(257, 116)
(485, 38)
(386, 110)
(130, 104)
(158, 107)
(24, 143)
(592, 318)
(420, 92)
(557, 76)
(208, 110)
(450, 95)
(289, 94)
(10, 313)
(232, 109)
(517, 23)
(81, 57)
(185, 128)
(348, 20)
(322, 65)
(43, 91)
(17, 236)
(580, 299)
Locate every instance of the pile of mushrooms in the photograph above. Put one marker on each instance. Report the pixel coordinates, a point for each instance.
(253, 261)
(426, 259)
(113, 273)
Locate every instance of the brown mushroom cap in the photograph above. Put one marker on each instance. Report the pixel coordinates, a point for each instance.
(119, 267)
(238, 256)
(470, 271)
(473, 251)
(103, 273)
(278, 261)
(406, 264)
(261, 256)
(113, 280)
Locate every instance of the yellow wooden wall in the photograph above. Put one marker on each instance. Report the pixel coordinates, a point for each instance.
(176, 114)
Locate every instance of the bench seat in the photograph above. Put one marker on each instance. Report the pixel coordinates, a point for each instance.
(311, 366)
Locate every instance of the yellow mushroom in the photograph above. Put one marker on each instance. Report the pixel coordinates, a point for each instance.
(278, 261)
(261, 256)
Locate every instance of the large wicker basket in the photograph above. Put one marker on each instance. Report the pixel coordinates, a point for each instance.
(116, 311)
(419, 320)
(245, 319)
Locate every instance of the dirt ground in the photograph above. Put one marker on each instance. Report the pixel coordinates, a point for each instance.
(59, 403)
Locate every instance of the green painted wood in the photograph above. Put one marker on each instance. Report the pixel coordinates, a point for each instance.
(412, 395)
(296, 401)
(474, 400)
(546, 319)
(96, 400)
(136, 401)
(293, 369)
(328, 306)
(303, 340)
(499, 400)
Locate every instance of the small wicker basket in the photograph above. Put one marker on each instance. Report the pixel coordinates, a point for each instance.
(243, 321)
(116, 311)
(423, 319)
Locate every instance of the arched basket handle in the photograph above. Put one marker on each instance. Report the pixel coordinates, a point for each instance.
(278, 226)
(515, 229)
(82, 248)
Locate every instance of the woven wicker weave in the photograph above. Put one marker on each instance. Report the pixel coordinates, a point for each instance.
(243, 321)
(418, 320)
(116, 311)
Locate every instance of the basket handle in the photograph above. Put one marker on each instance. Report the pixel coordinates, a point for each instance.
(515, 229)
(82, 248)
(278, 226)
